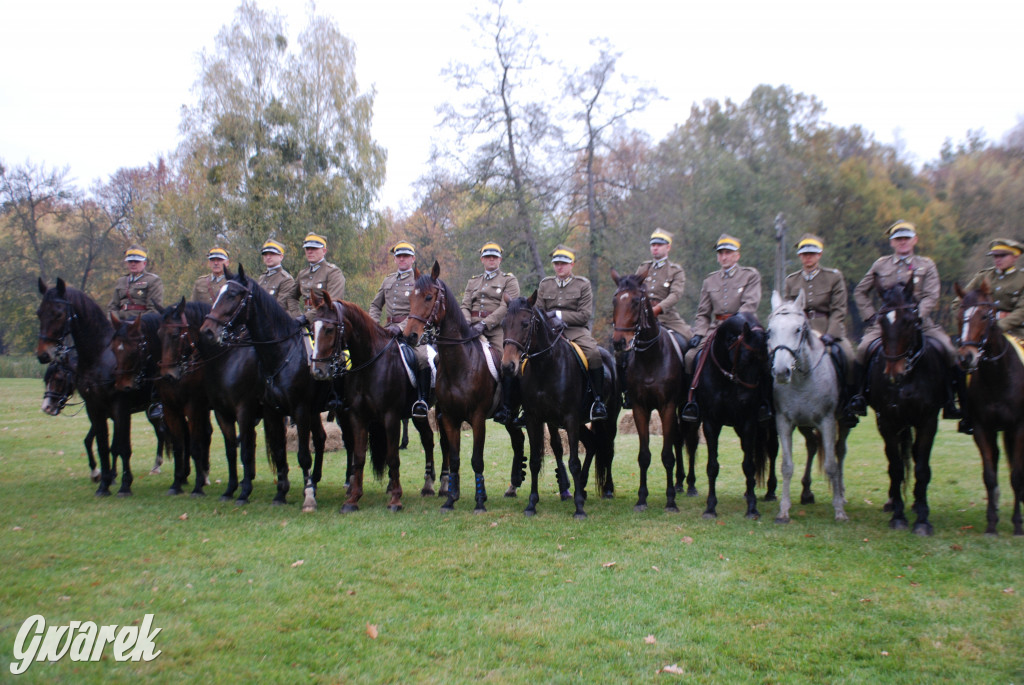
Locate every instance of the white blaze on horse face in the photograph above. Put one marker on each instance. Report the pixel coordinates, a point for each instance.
(891, 316)
(219, 293)
(624, 296)
(968, 313)
(317, 327)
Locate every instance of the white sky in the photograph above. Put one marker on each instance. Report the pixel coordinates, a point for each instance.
(98, 84)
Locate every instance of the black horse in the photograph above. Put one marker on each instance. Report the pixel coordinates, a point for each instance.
(226, 378)
(907, 375)
(282, 351)
(994, 397)
(71, 322)
(555, 393)
(730, 393)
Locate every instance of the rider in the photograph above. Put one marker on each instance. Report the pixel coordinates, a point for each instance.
(899, 267)
(276, 281)
(319, 275)
(570, 299)
(1006, 285)
(393, 298)
(484, 306)
(664, 284)
(825, 300)
(207, 287)
(139, 290)
(730, 290)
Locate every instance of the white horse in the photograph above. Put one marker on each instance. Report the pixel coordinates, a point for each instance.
(806, 391)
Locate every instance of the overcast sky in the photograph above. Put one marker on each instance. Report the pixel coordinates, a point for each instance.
(96, 85)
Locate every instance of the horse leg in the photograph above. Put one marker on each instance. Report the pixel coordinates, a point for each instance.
(767, 439)
(274, 432)
(304, 429)
(535, 431)
(178, 431)
(454, 440)
(1014, 440)
(199, 442)
(98, 420)
(988, 447)
(392, 437)
(422, 427)
(923, 473)
(691, 440)
(750, 442)
(642, 418)
(444, 446)
(811, 442)
(360, 440)
(247, 442)
(405, 435)
(123, 442)
(711, 433)
(319, 442)
(561, 474)
(518, 460)
(785, 430)
(895, 449)
(90, 439)
(477, 460)
(576, 469)
(231, 442)
(833, 467)
(668, 453)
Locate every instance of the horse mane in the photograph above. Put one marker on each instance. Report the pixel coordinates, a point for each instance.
(630, 281)
(360, 319)
(195, 313)
(451, 304)
(267, 311)
(517, 305)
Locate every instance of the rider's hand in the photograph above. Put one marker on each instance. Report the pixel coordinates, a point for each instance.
(478, 328)
(828, 339)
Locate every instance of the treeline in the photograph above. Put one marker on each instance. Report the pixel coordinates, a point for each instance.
(278, 144)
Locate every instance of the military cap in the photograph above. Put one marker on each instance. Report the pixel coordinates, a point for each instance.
(809, 243)
(1001, 245)
(901, 229)
(218, 253)
(563, 254)
(727, 242)
(403, 247)
(490, 249)
(135, 254)
(314, 240)
(661, 236)
(273, 247)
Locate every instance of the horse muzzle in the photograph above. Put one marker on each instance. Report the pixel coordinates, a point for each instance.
(320, 372)
(411, 339)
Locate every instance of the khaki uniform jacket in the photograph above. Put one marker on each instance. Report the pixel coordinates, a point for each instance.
(826, 299)
(572, 302)
(665, 283)
(723, 295)
(145, 293)
(393, 298)
(487, 296)
(206, 290)
(926, 291)
(322, 276)
(282, 286)
(1007, 292)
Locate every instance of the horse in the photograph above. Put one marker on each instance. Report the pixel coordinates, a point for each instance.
(729, 393)
(70, 322)
(282, 362)
(907, 376)
(807, 395)
(467, 387)
(378, 393)
(227, 378)
(994, 395)
(555, 393)
(655, 378)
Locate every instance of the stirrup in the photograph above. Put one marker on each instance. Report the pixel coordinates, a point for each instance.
(691, 412)
(519, 421)
(951, 411)
(420, 409)
(155, 412)
(764, 414)
(627, 401)
(501, 415)
(857, 405)
(965, 426)
(598, 412)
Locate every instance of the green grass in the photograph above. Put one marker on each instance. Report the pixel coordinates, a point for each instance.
(498, 597)
(20, 366)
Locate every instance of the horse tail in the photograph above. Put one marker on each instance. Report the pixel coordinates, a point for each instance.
(378, 449)
(605, 452)
(766, 436)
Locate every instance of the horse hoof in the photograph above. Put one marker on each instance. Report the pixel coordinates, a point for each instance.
(427, 492)
(277, 502)
(887, 507)
(781, 519)
(639, 507)
(807, 499)
(395, 508)
(709, 515)
(680, 488)
(197, 494)
(565, 495)
(511, 492)
(608, 494)
(530, 512)
(308, 508)
(841, 516)
(173, 491)
(155, 471)
(770, 498)
(447, 508)
(752, 515)
(671, 508)
(240, 502)
(349, 508)
(923, 529)
(480, 510)
(103, 493)
(692, 492)
(224, 498)
(124, 493)
(898, 524)
(579, 516)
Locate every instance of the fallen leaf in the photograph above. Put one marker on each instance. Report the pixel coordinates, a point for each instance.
(914, 584)
(372, 631)
(687, 539)
(494, 524)
(868, 502)
(560, 548)
(885, 653)
(966, 527)
(403, 533)
(350, 592)
(810, 535)
(864, 600)
(956, 548)
(655, 568)
(651, 640)
(673, 668)
(865, 540)
(184, 517)
(1008, 591)
(16, 528)
(721, 523)
(298, 563)
(608, 564)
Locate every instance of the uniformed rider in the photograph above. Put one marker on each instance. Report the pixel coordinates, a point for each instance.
(730, 290)
(207, 287)
(392, 299)
(276, 280)
(1005, 285)
(319, 275)
(571, 300)
(138, 291)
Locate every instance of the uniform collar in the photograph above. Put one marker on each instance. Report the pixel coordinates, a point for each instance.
(488, 275)
(658, 263)
(1005, 272)
(909, 259)
(273, 270)
(561, 283)
(402, 275)
(731, 271)
(314, 267)
(216, 279)
(810, 276)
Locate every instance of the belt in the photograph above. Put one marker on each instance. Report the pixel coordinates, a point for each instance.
(133, 307)
(723, 317)
(396, 319)
(480, 315)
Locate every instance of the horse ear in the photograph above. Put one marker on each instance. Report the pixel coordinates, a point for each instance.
(776, 300)
(643, 274)
(984, 289)
(321, 300)
(532, 299)
(416, 273)
(436, 271)
(115, 320)
(908, 289)
(62, 287)
(42, 286)
(801, 300)
(227, 272)
(180, 307)
(958, 290)
(136, 325)
(615, 276)
(241, 273)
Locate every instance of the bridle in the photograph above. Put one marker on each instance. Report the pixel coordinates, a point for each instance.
(524, 348)
(231, 332)
(437, 313)
(643, 322)
(982, 345)
(337, 360)
(188, 350)
(61, 398)
(139, 370)
(914, 352)
(799, 356)
(735, 348)
(62, 348)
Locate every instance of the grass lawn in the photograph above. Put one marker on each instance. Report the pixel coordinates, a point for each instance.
(268, 594)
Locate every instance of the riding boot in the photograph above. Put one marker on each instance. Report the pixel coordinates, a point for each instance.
(949, 409)
(620, 363)
(959, 385)
(598, 412)
(504, 413)
(420, 406)
(858, 405)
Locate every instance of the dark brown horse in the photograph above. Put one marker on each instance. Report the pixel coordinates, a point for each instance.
(377, 390)
(288, 388)
(556, 394)
(656, 380)
(71, 322)
(907, 377)
(467, 389)
(994, 396)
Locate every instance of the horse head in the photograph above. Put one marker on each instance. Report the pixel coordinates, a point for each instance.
(129, 348)
(329, 337)
(55, 315)
(977, 322)
(60, 385)
(427, 305)
(177, 346)
(230, 308)
(789, 335)
(631, 309)
(900, 321)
